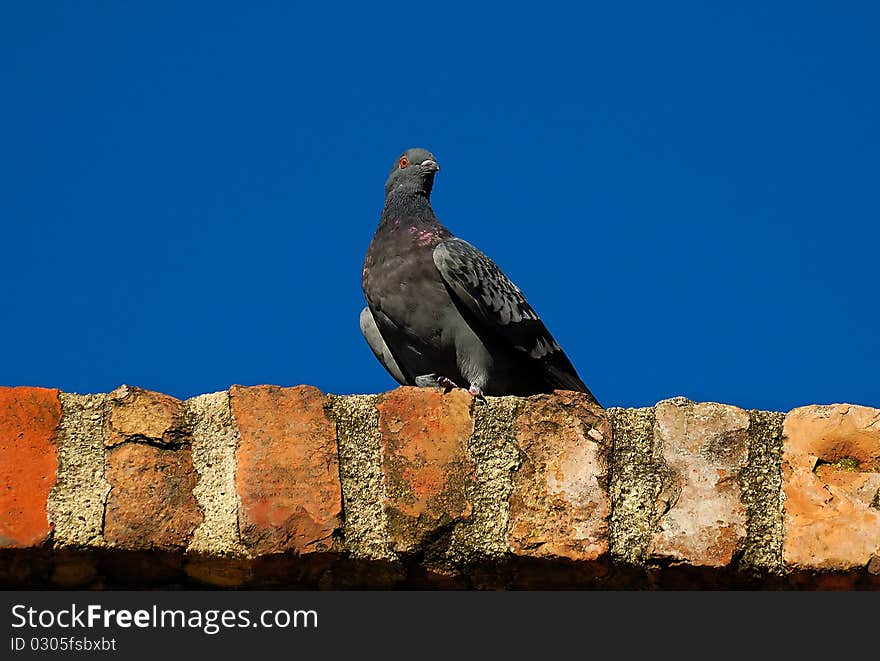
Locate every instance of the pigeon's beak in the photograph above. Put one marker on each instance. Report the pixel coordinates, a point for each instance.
(429, 165)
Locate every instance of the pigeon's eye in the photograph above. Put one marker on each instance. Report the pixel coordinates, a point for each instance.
(403, 162)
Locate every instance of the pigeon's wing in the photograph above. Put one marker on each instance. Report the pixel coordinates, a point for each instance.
(498, 307)
(379, 346)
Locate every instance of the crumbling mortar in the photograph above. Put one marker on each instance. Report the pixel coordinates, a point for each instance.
(636, 485)
(213, 465)
(81, 480)
(496, 458)
(762, 495)
(364, 527)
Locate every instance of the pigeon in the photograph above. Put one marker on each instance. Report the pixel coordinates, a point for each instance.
(440, 313)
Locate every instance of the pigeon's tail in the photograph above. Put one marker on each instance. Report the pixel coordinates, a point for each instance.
(567, 379)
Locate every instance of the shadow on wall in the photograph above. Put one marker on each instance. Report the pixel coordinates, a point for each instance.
(112, 569)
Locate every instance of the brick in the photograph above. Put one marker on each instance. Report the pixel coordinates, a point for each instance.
(830, 463)
(28, 469)
(560, 506)
(702, 521)
(424, 436)
(151, 503)
(144, 415)
(288, 469)
(150, 469)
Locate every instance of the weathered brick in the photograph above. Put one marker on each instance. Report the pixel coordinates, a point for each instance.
(143, 415)
(288, 471)
(560, 506)
(830, 464)
(424, 435)
(28, 463)
(151, 503)
(702, 521)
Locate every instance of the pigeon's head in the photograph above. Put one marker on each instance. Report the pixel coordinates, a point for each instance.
(413, 172)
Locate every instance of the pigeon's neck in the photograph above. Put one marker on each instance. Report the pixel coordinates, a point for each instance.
(408, 209)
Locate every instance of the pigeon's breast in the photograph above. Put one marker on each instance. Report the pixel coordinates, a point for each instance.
(412, 307)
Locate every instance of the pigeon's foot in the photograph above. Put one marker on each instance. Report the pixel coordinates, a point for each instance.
(477, 393)
(435, 381)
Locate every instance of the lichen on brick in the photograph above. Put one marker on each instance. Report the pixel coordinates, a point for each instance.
(421, 488)
(829, 518)
(427, 471)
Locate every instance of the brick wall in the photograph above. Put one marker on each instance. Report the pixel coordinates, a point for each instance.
(267, 486)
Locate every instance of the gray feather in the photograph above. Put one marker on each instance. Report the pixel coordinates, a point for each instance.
(380, 348)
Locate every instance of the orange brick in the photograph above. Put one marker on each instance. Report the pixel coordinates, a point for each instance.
(28, 463)
(138, 414)
(830, 464)
(424, 436)
(560, 506)
(151, 503)
(288, 470)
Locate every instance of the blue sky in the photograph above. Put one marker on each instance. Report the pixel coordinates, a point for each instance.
(686, 192)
